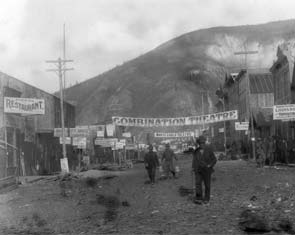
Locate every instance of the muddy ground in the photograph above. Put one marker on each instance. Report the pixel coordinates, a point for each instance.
(126, 205)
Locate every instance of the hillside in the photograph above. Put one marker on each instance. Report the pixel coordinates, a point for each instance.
(169, 80)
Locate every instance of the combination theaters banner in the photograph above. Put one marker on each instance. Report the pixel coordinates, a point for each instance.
(180, 121)
(25, 106)
(175, 135)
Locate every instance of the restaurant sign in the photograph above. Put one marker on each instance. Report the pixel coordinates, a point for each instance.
(25, 106)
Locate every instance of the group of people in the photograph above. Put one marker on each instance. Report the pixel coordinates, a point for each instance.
(202, 166)
(274, 149)
(152, 162)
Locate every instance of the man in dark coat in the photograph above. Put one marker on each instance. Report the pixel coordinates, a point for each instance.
(202, 165)
(168, 160)
(151, 163)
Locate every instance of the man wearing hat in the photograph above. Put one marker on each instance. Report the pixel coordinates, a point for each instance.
(151, 163)
(203, 162)
(168, 160)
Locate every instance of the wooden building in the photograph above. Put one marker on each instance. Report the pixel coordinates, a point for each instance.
(27, 141)
(258, 102)
(283, 80)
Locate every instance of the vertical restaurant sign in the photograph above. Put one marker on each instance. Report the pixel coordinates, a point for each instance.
(27, 106)
(110, 129)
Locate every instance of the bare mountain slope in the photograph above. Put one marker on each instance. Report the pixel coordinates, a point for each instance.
(169, 80)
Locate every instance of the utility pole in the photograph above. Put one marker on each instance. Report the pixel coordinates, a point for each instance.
(252, 136)
(60, 70)
(203, 110)
(64, 57)
(224, 127)
(221, 95)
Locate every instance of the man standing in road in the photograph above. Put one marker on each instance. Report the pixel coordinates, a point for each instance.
(168, 160)
(151, 163)
(203, 162)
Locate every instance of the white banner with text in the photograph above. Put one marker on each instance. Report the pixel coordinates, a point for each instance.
(283, 112)
(175, 134)
(180, 121)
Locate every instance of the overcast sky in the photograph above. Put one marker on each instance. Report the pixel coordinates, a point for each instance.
(101, 34)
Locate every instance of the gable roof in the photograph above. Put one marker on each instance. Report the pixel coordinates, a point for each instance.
(261, 83)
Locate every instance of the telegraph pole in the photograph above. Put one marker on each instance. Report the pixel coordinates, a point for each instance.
(60, 70)
(64, 55)
(249, 105)
(203, 110)
(224, 127)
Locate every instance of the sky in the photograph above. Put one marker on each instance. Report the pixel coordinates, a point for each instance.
(101, 34)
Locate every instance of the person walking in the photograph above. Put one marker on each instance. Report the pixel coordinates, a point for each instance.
(168, 161)
(285, 152)
(271, 150)
(260, 153)
(202, 165)
(151, 163)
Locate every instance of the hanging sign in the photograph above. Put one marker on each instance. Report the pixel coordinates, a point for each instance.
(110, 130)
(131, 147)
(80, 142)
(79, 131)
(100, 131)
(286, 111)
(106, 142)
(242, 126)
(197, 132)
(64, 165)
(58, 132)
(27, 106)
(68, 140)
(123, 141)
(119, 145)
(175, 135)
(180, 121)
(127, 134)
(94, 128)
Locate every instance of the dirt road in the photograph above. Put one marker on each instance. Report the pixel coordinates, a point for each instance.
(125, 205)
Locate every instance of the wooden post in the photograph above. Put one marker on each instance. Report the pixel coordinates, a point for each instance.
(79, 160)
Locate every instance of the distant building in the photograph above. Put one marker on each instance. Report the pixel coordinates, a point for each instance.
(236, 97)
(261, 100)
(283, 77)
(27, 141)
